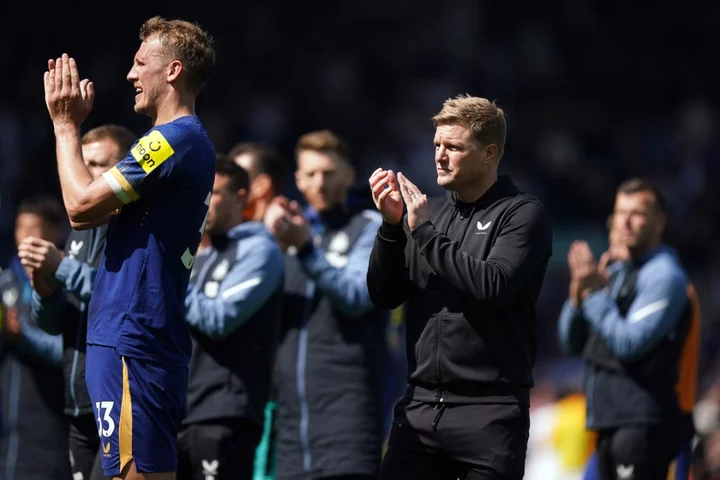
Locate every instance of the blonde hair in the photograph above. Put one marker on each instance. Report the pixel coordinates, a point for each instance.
(186, 42)
(483, 117)
(324, 141)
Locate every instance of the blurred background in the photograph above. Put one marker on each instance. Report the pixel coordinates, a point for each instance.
(595, 92)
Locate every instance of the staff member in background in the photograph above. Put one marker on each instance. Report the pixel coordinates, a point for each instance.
(34, 437)
(233, 310)
(268, 171)
(63, 285)
(332, 351)
(638, 330)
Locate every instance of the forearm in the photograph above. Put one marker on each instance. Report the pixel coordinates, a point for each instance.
(249, 285)
(345, 287)
(388, 280)
(47, 312)
(40, 345)
(76, 277)
(91, 224)
(572, 329)
(522, 247)
(495, 279)
(653, 315)
(74, 175)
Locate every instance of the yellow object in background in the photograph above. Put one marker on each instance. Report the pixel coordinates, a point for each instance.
(570, 436)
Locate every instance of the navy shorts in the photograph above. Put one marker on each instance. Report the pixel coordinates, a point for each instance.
(138, 408)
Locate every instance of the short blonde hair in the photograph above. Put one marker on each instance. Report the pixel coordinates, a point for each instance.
(483, 117)
(324, 141)
(186, 42)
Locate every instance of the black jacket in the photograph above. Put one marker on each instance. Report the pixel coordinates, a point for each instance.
(640, 354)
(34, 435)
(66, 311)
(331, 356)
(233, 308)
(471, 276)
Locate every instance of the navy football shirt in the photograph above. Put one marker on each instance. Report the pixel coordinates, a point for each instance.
(165, 181)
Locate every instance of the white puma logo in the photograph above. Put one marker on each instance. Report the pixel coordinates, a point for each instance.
(482, 228)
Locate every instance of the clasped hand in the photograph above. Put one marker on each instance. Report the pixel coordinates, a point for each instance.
(390, 191)
(286, 222)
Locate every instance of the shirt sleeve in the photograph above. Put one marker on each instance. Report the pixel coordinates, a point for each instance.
(148, 164)
(573, 331)
(346, 287)
(654, 313)
(522, 246)
(255, 276)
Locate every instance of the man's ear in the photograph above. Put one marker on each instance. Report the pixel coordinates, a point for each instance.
(349, 176)
(491, 154)
(241, 196)
(660, 222)
(261, 186)
(174, 70)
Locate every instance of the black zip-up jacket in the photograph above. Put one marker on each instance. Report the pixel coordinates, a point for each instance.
(233, 307)
(331, 355)
(66, 311)
(471, 275)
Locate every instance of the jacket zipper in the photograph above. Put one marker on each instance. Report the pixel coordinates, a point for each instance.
(438, 334)
(73, 372)
(439, 399)
(300, 374)
(13, 413)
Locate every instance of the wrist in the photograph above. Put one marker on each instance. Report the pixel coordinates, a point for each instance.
(391, 231)
(66, 129)
(305, 249)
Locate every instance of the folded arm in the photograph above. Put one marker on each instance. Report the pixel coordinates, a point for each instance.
(251, 281)
(524, 243)
(346, 287)
(40, 345)
(573, 331)
(388, 279)
(654, 313)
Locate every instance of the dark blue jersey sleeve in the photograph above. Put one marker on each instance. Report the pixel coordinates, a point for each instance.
(149, 162)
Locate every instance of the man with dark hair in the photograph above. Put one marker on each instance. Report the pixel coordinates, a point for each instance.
(268, 172)
(34, 437)
(332, 349)
(64, 283)
(233, 309)
(636, 324)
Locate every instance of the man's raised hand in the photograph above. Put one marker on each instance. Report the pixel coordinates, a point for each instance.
(68, 99)
(386, 195)
(416, 201)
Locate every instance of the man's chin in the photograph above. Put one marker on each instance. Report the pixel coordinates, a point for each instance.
(140, 108)
(445, 181)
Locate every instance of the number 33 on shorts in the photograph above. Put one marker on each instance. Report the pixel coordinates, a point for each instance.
(106, 425)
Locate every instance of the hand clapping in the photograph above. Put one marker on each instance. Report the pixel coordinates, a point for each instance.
(68, 99)
(389, 192)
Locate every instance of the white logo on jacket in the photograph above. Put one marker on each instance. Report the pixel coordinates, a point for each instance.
(210, 469)
(221, 270)
(482, 229)
(337, 250)
(75, 248)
